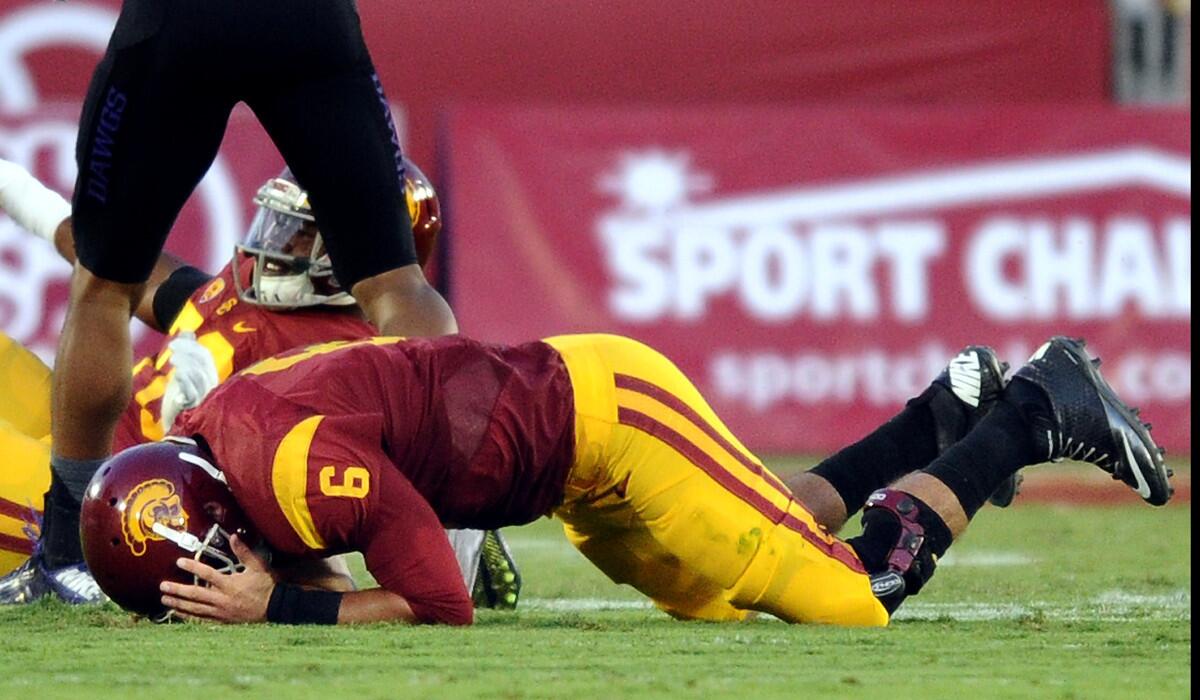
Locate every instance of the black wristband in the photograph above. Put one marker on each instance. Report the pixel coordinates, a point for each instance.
(174, 292)
(293, 605)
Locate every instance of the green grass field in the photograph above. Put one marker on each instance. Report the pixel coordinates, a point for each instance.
(1037, 601)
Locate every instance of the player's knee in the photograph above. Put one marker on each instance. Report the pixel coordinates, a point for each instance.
(401, 302)
(91, 289)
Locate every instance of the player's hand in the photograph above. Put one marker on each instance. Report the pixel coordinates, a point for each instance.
(228, 598)
(194, 375)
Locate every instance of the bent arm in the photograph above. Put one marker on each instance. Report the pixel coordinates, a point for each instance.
(406, 549)
(330, 574)
(375, 605)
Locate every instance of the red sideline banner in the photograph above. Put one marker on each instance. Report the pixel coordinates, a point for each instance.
(669, 51)
(812, 269)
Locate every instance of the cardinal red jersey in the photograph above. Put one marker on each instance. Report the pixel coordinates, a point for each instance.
(375, 445)
(238, 334)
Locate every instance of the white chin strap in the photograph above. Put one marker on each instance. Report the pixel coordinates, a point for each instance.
(296, 291)
(198, 547)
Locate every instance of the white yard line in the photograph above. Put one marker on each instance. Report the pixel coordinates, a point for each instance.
(581, 604)
(1109, 606)
(985, 558)
(540, 545)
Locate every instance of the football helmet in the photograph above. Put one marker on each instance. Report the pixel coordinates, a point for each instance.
(423, 208)
(291, 267)
(146, 507)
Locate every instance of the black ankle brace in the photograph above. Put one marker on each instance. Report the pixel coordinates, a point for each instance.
(901, 542)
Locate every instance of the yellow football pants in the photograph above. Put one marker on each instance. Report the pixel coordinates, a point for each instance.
(24, 478)
(663, 497)
(24, 389)
(24, 446)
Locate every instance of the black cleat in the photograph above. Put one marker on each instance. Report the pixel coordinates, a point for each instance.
(1088, 422)
(976, 379)
(498, 583)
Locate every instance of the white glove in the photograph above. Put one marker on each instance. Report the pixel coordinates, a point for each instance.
(193, 376)
(35, 207)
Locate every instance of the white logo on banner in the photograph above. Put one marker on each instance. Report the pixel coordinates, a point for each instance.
(28, 266)
(848, 252)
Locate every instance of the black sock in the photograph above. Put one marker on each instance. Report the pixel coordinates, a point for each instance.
(904, 444)
(1030, 399)
(975, 466)
(60, 526)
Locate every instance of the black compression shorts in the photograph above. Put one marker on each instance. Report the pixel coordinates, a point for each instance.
(159, 101)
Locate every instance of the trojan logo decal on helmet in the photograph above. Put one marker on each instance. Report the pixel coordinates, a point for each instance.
(149, 503)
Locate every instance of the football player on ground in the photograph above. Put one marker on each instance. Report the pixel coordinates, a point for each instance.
(375, 445)
(284, 297)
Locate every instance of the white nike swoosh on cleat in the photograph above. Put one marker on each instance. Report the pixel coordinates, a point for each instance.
(1143, 488)
(964, 378)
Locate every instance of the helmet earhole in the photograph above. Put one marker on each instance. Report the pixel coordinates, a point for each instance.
(116, 542)
(215, 511)
(112, 501)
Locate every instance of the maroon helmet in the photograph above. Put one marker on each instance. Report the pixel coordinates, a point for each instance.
(146, 507)
(424, 210)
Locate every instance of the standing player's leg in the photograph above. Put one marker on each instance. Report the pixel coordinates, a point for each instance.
(929, 424)
(151, 127)
(654, 463)
(334, 128)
